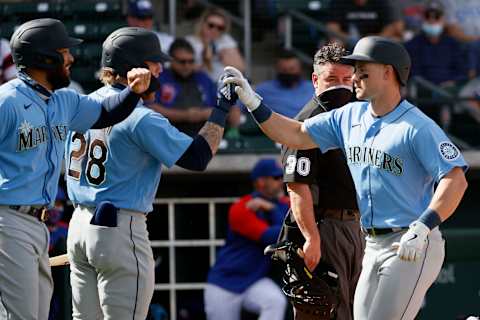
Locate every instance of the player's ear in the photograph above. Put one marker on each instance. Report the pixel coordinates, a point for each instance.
(314, 80)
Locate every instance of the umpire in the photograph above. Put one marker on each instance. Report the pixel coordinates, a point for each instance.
(324, 216)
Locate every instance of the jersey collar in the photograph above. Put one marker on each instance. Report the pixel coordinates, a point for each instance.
(44, 93)
(403, 107)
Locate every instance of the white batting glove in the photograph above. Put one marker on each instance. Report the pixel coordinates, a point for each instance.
(412, 242)
(245, 92)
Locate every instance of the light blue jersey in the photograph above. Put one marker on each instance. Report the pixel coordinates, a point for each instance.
(122, 164)
(32, 139)
(395, 160)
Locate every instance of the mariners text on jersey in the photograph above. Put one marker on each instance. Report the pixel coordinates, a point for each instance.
(374, 157)
(30, 137)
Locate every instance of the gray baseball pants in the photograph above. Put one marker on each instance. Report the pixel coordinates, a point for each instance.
(26, 283)
(391, 288)
(112, 268)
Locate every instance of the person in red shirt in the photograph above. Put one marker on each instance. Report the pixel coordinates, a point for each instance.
(239, 279)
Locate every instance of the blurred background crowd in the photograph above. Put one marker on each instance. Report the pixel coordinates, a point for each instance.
(273, 42)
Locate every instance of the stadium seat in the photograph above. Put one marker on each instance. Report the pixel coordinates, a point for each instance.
(7, 28)
(92, 9)
(31, 10)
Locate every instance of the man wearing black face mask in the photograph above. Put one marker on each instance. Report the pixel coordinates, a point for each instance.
(324, 216)
(288, 92)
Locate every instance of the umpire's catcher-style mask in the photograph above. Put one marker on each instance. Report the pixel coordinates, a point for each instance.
(382, 50)
(130, 47)
(35, 44)
(314, 294)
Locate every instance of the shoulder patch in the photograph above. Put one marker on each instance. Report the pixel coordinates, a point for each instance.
(448, 150)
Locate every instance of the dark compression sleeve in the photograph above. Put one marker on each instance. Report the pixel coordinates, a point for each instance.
(116, 108)
(197, 156)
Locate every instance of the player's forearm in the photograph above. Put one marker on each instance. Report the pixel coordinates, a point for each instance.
(449, 193)
(212, 133)
(302, 208)
(116, 108)
(286, 131)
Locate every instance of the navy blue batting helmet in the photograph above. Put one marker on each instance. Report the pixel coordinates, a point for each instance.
(35, 44)
(130, 47)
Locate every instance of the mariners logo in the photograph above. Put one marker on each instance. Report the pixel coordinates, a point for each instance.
(448, 150)
(30, 136)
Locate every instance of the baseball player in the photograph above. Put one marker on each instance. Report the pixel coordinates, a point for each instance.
(112, 178)
(324, 216)
(396, 156)
(36, 114)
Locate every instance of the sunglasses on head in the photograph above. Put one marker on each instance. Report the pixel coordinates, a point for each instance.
(184, 61)
(219, 27)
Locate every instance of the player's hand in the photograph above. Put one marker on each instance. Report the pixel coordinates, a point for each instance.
(259, 204)
(226, 95)
(412, 243)
(245, 92)
(139, 80)
(312, 253)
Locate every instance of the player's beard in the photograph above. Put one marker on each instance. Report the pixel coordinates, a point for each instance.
(58, 78)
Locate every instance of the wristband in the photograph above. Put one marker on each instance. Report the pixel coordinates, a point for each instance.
(430, 218)
(261, 113)
(218, 116)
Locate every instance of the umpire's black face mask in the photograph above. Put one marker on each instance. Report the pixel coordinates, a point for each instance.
(336, 96)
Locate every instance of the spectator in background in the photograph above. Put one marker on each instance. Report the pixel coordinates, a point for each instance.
(354, 19)
(186, 96)
(288, 92)
(438, 57)
(239, 280)
(7, 67)
(463, 23)
(140, 14)
(213, 46)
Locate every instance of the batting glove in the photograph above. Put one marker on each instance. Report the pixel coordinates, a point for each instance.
(412, 242)
(245, 92)
(226, 95)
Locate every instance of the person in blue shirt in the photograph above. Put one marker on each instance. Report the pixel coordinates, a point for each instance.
(239, 279)
(112, 177)
(449, 64)
(409, 177)
(288, 92)
(186, 96)
(37, 111)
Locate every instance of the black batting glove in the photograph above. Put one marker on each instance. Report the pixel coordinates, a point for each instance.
(226, 95)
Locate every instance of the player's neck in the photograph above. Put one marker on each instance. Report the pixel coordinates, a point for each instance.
(40, 77)
(385, 102)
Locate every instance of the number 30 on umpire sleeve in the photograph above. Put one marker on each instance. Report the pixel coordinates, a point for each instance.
(302, 165)
(97, 155)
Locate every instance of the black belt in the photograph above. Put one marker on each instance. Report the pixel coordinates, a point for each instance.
(40, 213)
(338, 214)
(382, 231)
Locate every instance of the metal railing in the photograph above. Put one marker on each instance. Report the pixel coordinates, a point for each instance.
(172, 243)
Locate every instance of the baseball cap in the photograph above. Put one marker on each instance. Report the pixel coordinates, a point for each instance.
(434, 7)
(140, 9)
(266, 168)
